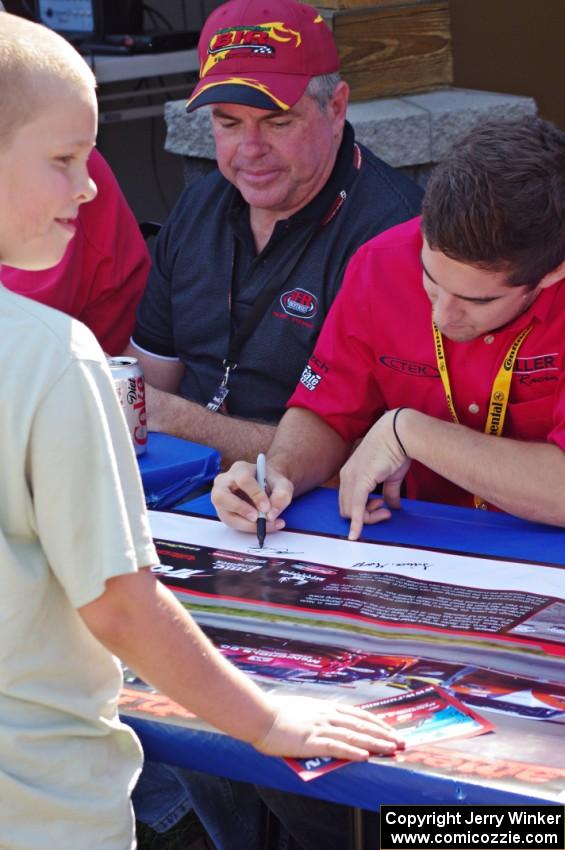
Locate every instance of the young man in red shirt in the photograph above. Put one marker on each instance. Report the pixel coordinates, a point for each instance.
(444, 351)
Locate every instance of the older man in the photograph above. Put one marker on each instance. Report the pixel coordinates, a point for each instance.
(253, 255)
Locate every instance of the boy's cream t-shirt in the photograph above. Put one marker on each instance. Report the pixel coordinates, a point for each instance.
(72, 515)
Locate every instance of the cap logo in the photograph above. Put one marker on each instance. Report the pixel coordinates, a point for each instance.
(240, 41)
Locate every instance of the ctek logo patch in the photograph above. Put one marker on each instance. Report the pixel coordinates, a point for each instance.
(300, 303)
(409, 367)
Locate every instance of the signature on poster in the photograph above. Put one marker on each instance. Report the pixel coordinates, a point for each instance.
(272, 550)
(379, 565)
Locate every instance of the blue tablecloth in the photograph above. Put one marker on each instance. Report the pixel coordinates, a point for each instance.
(172, 468)
(365, 786)
(425, 524)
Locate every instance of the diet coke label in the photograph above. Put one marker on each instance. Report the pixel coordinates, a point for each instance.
(130, 388)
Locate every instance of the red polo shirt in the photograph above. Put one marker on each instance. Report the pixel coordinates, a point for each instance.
(376, 353)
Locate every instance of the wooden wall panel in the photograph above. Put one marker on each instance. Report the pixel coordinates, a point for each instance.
(393, 49)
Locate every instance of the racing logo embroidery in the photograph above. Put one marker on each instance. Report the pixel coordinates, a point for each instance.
(299, 302)
(310, 379)
(537, 369)
(409, 367)
(245, 40)
(537, 363)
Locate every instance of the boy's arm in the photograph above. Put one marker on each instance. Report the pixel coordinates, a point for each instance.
(141, 622)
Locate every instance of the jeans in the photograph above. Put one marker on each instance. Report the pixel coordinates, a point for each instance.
(161, 797)
(232, 812)
(314, 824)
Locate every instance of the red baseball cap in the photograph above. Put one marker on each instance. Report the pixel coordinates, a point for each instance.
(262, 53)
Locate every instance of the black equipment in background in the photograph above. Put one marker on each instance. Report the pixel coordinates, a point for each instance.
(79, 20)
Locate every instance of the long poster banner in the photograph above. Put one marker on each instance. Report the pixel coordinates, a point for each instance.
(363, 622)
(416, 594)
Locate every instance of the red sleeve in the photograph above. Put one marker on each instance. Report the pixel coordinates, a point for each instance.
(115, 261)
(557, 433)
(338, 383)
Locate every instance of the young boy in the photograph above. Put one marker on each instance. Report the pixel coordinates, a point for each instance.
(103, 272)
(75, 545)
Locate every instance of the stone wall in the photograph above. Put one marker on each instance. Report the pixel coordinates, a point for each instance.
(411, 132)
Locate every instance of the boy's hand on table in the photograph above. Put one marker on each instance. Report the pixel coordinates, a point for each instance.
(305, 727)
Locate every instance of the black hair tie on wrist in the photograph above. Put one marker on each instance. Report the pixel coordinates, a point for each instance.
(398, 440)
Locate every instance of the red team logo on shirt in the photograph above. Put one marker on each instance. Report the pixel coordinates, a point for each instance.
(300, 303)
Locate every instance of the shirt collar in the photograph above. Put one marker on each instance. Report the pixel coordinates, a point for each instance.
(340, 178)
(540, 310)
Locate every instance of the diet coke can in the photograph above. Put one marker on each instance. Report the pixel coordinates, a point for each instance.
(130, 387)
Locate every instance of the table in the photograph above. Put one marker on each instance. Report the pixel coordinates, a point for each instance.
(426, 524)
(369, 785)
(171, 469)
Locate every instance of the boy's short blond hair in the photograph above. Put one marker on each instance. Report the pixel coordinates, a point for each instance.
(34, 62)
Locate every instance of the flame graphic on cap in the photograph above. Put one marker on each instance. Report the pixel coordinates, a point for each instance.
(276, 30)
(244, 81)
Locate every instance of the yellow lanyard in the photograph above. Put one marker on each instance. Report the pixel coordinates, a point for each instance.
(500, 389)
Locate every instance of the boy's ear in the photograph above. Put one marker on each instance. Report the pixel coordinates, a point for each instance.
(552, 277)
